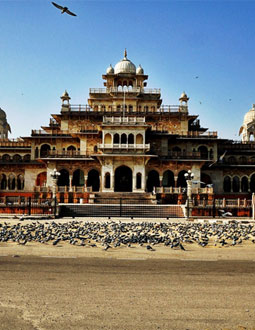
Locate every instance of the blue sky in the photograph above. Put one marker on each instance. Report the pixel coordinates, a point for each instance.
(42, 53)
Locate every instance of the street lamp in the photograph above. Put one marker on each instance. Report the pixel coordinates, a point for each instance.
(55, 174)
(189, 176)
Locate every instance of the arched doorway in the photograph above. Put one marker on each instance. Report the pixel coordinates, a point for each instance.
(41, 179)
(63, 179)
(153, 180)
(123, 179)
(44, 150)
(168, 179)
(244, 184)
(93, 180)
(206, 178)
(227, 184)
(78, 178)
(181, 181)
(203, 152)
(252, 183)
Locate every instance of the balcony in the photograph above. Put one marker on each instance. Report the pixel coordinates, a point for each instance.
(133, 90)
(123, 120)
(179, 155)
(180, 190)
(124, 147)
(119, 109)
(40, 132)
(64, 154)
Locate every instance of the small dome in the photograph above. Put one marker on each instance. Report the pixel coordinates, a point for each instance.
(110, 70)
(65, 95)
(125, 66)
(249, 117)
(139, 70)
(2, 113)
(183, 96)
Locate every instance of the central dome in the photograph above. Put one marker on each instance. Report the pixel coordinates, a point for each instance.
(125, 66)
(249, 116)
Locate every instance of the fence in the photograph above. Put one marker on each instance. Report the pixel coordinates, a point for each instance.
(28, 206)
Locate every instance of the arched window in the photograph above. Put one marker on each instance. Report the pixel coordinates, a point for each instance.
(139, 139)
(63, 179)
(116, 138)
(244, 184)
(203, 152)
(232, 160)
(236, 184)
(131, 138)
(6, 158)
(93, 180)
(138, 180)
(227, 184)
(252, 183)
(123, 138)
(252, 160)
(130, 108)
(107, 182)
(243, 160)
(41, 179)
(20, 182)
(17, 158)
(11, 182)
(108, 139)
(3, 182)
(153, 180)
(78, 178)
(27, 158)
(44, 150)
(206, 178)
(181, 181)
(168, 179)
(71, 148)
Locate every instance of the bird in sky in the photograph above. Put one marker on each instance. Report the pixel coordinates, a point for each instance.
(230, 99)
(196, 77)
(219, 160)
(63, 9)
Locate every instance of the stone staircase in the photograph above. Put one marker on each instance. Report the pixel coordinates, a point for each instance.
(121, 210)
(124, 198)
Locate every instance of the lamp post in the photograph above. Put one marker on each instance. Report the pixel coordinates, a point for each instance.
(189, 177)
(55, 174)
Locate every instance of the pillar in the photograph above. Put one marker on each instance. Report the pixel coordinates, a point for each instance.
(70, 182)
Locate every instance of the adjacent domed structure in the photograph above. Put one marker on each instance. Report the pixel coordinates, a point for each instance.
(110, 70)
(248, 127)
(139, 70)
(4, 126)
(125, 66)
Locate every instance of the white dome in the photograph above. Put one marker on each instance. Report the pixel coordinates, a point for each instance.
(110, 70)
(125, 66)
(139, 70)
(249, 117)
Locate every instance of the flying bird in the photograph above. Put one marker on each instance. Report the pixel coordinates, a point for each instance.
(219, 160)
(63, 9)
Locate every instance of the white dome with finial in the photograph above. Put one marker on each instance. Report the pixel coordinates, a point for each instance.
(125, 66)
(110, 70)
(249, 117)
(139, 70)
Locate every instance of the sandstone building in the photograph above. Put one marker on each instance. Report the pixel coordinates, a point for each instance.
(126, 140)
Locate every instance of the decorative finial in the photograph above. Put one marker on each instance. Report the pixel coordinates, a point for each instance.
(125, 53)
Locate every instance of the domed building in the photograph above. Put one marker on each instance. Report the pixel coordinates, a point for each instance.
(248, 128)
(124, 143)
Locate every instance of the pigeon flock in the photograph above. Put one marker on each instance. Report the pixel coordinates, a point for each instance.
(119, 234)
